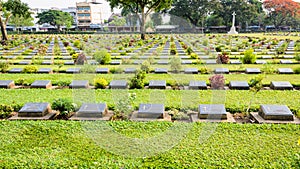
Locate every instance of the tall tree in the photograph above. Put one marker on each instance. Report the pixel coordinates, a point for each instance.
(55, 18)
(145, 7)
(279, 11)
(156, 19)
(8, 9)
(20, 21)
(193, 10)
(246, 10)
(131, 17)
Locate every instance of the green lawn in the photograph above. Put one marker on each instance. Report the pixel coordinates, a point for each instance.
(67, 144)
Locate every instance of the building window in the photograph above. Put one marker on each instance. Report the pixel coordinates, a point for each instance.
(83, 8)
(84, 15)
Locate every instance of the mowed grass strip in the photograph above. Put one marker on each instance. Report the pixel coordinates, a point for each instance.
(65, 144)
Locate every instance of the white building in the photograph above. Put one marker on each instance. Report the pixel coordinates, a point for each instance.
(88, 13)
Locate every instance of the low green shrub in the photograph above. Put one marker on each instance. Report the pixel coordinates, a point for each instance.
(4, 67)
(146, 66)
(194, 56)
(249, 57)
(175, 64)
(137, 82)
(102, 56)
(30, 69)
(64, 106)
(100, 83)
(297, 57)
(5, 111)
(297, 70)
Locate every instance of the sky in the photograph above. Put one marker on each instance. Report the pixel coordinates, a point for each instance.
(47, 4)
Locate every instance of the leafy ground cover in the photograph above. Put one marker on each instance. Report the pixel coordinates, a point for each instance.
(234, 100)
(65, 144)
(181, 79)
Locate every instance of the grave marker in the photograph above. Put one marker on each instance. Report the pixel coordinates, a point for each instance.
(151, 111)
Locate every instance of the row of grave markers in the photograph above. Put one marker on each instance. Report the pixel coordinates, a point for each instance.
(158, 70)
(213, 112)
(153, 84)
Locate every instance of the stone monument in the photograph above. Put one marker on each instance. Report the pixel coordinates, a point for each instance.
(232, 29)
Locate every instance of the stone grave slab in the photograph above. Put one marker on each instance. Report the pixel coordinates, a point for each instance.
(24, 62)
(73, 70)
(162, 62)
(235, 53)
(66, 58)
(211, 62)
(252, 70)
(144, 57)
(186, 62)
(46, 84)
(28, 57)
(44, 70)
(289, 52)
(102, 70)
(69, 62)
(9, 57)
(151, 111)
(191, 71)
(288, 57)
(79, 84)
(47, 62)
(266, 57)
(125, 57)
(184, 57)
(48, 57)
(7, 84)
(275, 112)
(239, 85)
(118, 84)
(271, 53)
(260, 62)
(115, 62)
(212, 111)
(160, 70)
(281, 85)
(285, 71)
(235, 62)
(286, 62)
(130, 70)
(34, 110)
(204, 57)
(221, 71)
(196, 85)
(93, 62)
(92, 110)
(157, 84)
(164, 57)
(137, 62)
(16, 70)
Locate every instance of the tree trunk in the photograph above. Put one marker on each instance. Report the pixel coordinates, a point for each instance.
(143, 24)
(3, 30)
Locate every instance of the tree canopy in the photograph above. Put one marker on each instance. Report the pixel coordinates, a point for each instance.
(11, 8)
(55, 18)
(193, 10)
(145, 7)
(280, 11)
